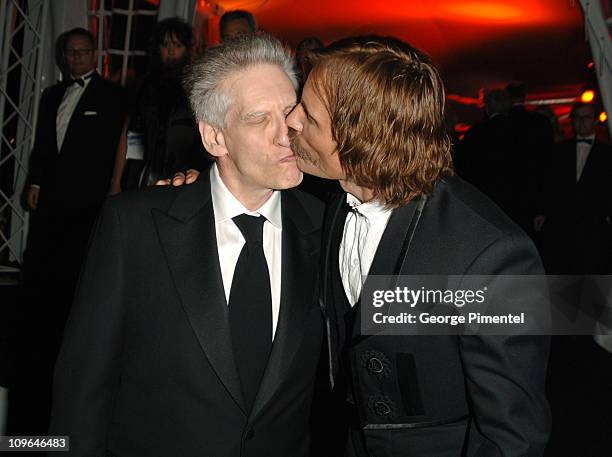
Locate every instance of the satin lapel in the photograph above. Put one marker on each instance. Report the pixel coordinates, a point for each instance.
(86, 97)
(332, 232)
(58, 95)
(592, 166)
(187, 233)
(55, 99)
(389, 255)
(298, 297)
(334, 313)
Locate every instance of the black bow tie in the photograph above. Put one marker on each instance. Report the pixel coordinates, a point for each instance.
(79, 81)
(584, 140)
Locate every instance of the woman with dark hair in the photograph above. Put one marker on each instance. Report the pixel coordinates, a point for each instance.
(160, 137)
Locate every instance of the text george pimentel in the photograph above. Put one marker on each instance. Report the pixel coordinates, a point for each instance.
(427, 318)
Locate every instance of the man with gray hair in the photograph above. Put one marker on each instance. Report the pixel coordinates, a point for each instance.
(186, 336)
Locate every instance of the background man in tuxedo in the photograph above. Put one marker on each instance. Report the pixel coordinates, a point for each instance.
(196, 329)
(530, 141)
(77, 130)
(576, 222)
(371, 116)
(71, 164)
(484, 157)
(577, 235)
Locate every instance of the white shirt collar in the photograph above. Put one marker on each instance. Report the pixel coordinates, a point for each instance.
(85, 76)
(226, 206)
(590, 137)
(371, 210)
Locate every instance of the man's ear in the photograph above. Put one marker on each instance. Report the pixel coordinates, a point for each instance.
(212, 139)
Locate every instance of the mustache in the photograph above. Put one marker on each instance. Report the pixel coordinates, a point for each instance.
(298, 150)
(293, 134)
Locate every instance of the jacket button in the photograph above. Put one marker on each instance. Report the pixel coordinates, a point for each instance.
(375, 366)
(249, 434)
(375, 363)
(381, 408)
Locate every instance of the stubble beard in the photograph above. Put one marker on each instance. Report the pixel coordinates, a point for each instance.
(298, 150)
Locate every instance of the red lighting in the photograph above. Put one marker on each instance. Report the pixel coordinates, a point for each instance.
(465, 100)
(461, 127)
(587, 96)
(590, 65)
(487, 12)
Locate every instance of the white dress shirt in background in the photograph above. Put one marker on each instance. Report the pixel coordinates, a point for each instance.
(66, 109)
(582, 154)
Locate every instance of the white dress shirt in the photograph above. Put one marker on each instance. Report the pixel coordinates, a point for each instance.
(230, 239)
(582, 154)
(363, 229)
(66, 109)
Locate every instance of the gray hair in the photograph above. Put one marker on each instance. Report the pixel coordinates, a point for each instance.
(205, 79)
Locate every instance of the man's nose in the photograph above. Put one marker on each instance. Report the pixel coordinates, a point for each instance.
(294, 120)
(282, 135)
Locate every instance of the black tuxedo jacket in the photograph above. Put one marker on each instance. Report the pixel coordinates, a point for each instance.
(568, 201)
(485, 158)
(79, 175)
(439, 395)
(146, 367)
(578, 230)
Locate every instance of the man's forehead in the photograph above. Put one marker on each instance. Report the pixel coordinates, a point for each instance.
(314, 89)
(259, 88)
(237, 27)
(257, 78)
(77, 40)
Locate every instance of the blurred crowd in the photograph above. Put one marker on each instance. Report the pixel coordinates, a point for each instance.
(557, 189)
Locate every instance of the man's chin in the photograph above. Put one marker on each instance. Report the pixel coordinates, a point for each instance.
(290, 182)
(308, 167)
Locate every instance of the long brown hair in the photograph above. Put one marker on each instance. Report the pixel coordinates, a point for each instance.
(386, 103)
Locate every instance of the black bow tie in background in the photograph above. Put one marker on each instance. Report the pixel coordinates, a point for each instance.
(79, 81)
(584, 140)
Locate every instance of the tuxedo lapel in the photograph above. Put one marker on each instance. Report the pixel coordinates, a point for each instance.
(299, 273)
(335, 305)
(592, 165)
(187, 233)
(390, 254)
(87, 97)
(56, 101)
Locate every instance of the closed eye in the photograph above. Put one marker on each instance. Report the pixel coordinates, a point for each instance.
(255, 118)
(309, 118)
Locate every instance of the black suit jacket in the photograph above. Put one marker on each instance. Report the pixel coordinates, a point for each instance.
(577, 231)
(485, 159)
(146, 367)
(567, 200)
(79, 175)
(440, 395)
